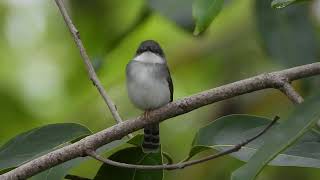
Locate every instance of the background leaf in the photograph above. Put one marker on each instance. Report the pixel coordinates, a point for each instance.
(179, 11)
(37, 142)
(281, 137)
(284, 3)
(230, 130)
(288, 34)
(132, 155)
(204, 11)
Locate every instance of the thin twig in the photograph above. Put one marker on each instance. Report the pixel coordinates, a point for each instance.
(91, 72)
(293, 95)
(180, 165)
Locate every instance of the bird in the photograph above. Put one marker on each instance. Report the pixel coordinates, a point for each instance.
(149, 86)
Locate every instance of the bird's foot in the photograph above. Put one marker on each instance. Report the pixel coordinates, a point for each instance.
(146, 115)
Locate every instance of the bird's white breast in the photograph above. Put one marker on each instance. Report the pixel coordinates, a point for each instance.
(149, 57)
(146, 89)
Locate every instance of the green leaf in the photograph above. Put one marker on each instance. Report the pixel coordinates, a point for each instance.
(287, 35)
(204, 11)
(58, 172)
(179, 11)
(136, 140)
(111, 145)
(38, 141)
(196, 149)
(284, 3)
(281, 137)
(132, 155)
(230, 130)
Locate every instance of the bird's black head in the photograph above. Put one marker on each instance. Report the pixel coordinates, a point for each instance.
(151, 46)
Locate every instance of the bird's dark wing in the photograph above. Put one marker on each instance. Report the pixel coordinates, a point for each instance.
(169, 80)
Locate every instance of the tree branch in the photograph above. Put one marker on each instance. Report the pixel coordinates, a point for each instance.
(91, 72)
(170, 110)
(289, 91)
(184, 164)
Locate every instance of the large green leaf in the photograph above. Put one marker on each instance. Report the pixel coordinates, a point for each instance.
(230, 130)
(190, 14)
(179, 11)
(204, 11)
(288, 34)
(284, 3)
(281, 137)
(132, 155)
(57, 172)
(37, 142)
(60, 171)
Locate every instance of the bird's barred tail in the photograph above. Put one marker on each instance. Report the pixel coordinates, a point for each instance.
(151, 140)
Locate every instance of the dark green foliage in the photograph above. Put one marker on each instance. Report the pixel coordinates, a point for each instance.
(132, 155)
(283, 136)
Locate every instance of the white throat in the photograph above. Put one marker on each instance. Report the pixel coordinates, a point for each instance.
(149, 57)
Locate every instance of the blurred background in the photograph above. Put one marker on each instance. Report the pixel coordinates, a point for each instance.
(43, 79)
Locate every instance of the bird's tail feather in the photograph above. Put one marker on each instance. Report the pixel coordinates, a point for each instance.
(151, 139)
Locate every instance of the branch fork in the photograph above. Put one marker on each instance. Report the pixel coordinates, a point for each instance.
(283, 83)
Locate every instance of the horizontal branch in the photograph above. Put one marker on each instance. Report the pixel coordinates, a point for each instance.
(269, 80)
(184, 164)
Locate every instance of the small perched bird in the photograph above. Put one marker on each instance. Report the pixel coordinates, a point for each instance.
(149, 86)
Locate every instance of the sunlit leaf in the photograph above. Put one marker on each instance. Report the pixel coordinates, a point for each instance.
(281, 137)
(132, 155)
(204, 11)
(37, 142)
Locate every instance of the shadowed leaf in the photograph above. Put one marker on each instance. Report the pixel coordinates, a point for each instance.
(204, 11)
(288, 34)
(179, 11)
(37, 142)
(132, 155)
(278, 139)
(228, 131)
